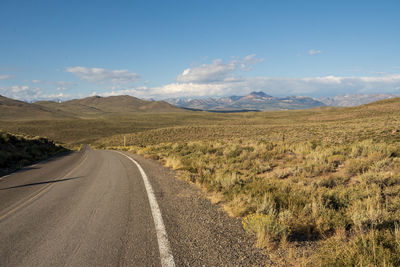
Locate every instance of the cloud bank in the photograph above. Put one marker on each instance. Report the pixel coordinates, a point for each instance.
(217, 78)
(222, 79)
(27, 93)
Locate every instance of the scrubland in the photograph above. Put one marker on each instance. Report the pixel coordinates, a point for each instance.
(318, 189)
(314, 187)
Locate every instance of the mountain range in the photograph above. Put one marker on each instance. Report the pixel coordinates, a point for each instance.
(252, 101)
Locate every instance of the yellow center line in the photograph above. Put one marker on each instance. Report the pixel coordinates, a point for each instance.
(40, 192)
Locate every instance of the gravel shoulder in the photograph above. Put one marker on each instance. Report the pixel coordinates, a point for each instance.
(200, 233)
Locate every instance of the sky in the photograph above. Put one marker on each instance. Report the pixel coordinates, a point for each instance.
(164, 49)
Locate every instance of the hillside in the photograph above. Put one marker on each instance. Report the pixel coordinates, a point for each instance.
(331, 123)
(252, 101)
(18, 151)
(112, 105)
(11, 109)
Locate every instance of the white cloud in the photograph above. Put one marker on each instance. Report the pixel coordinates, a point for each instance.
(6, 76)
(247, 62)
(313, 52)
(207, 73)
(100, 75)
(217, 71)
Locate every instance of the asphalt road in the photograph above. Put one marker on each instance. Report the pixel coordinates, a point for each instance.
(93, 208)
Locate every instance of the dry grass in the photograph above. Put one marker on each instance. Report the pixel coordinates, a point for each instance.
(331, 180)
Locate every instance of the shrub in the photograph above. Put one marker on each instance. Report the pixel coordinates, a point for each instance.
(368, 213)
(268, 227)
(356, 166)
(372, 248)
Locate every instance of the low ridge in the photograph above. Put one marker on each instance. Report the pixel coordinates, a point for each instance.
(121, 105)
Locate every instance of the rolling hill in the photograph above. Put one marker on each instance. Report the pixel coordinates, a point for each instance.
(90, 107)
(112, 105)
(11, 109)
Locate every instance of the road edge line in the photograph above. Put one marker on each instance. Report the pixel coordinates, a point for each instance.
(166, 256)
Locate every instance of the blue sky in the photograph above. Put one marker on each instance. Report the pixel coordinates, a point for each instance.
(161, 49)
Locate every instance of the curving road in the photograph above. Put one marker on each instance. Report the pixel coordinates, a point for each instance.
(93, 208)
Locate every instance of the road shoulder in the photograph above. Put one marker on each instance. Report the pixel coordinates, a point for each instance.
(200, 233)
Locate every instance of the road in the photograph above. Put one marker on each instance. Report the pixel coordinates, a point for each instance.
(94, 208)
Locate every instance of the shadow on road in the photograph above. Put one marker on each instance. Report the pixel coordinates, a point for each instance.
(39, 183)
(13, 170)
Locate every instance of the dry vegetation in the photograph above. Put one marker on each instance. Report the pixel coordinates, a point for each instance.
(18, 151)
(316, 187)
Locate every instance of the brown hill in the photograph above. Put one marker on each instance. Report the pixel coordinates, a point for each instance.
(112, 105)
(11, 109)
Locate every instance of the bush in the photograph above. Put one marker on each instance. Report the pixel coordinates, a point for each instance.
(268, 227)
(301, 191)
(356, 166)
(372, 248)
(19, 151)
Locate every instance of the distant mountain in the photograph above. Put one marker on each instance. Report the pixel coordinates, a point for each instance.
(353, 99)
(252, 101)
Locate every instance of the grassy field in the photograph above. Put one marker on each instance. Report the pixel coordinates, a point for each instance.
(316, 187)
(72, 132)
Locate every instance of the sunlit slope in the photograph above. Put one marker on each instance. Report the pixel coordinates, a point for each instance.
(379, 120)
(11, 109)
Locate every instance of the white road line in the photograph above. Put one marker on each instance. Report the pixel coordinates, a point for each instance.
(163, 244)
